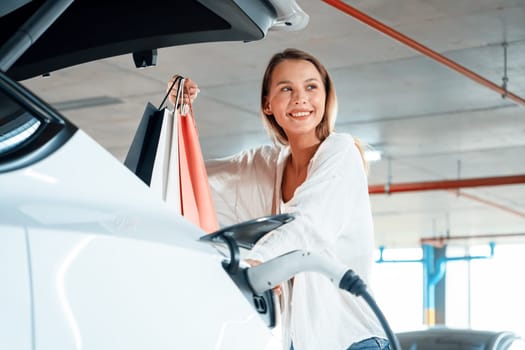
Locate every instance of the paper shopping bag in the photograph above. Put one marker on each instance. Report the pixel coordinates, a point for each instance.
(166, 155)
(165, 179)
(143, 150)
(141, 154)
(196, 198)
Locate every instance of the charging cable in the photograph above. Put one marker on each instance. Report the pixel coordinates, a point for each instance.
(275, 271)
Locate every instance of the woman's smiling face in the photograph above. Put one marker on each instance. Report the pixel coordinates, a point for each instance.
(296, 98)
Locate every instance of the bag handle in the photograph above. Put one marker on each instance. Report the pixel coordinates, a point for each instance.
(178, 79)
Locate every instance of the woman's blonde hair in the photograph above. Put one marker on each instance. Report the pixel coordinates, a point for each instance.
(326, 126)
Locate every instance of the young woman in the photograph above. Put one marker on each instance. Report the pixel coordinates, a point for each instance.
(319, 176)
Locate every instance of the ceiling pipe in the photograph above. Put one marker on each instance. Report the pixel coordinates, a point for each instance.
(487, 202)
(454, 186)
(446, 184)
(422, 49)
(440, 241)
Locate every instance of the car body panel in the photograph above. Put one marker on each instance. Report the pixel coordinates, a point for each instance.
(112, 265)
(101, 292)
(15, 293)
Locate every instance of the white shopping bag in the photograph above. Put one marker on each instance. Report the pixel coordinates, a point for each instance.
(165, 180)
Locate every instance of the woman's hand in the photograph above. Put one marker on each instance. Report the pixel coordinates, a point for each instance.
(252, 262)
(190, 92)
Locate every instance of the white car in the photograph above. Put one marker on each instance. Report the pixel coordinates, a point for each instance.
(89, 258)
(444, 338)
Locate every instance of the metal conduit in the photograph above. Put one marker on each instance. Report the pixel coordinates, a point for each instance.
(383, 28)
(454, 186)
(489, 203)
(446, 184)
(440, 241)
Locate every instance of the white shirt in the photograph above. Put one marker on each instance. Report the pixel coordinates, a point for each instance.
(332, 218)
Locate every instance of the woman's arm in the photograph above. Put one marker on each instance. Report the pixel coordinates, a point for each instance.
(242, 185)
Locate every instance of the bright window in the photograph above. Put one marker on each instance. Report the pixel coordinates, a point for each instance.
(398, 289)
(496, 288)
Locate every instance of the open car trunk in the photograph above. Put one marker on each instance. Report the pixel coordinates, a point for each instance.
(88, 30)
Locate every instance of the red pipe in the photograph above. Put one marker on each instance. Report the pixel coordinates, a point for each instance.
(422, 49)
(489, 203)
(446, 184)
(441, 240)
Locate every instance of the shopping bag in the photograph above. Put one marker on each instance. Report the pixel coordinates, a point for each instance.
(166, 155)
(142, 152)
(165, 179)
(196, 198)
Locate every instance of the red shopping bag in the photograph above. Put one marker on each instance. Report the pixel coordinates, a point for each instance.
(195, 195)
